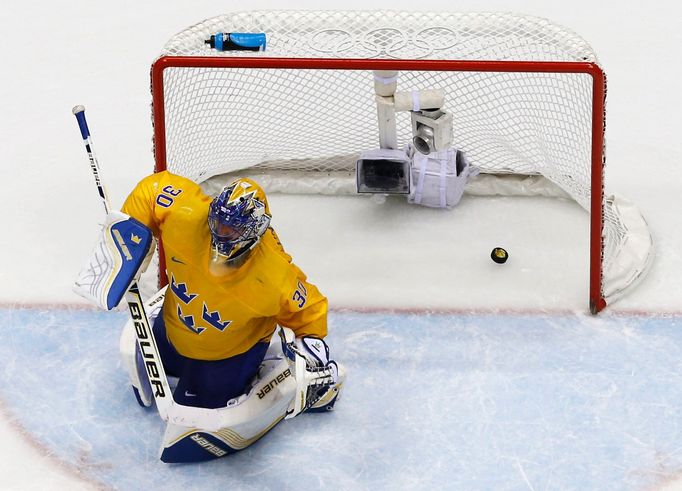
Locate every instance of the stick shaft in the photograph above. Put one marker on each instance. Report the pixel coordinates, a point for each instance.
(79, 112)
(145, 337)
(169, 410)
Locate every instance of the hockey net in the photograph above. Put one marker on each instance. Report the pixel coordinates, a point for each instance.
(527, 99)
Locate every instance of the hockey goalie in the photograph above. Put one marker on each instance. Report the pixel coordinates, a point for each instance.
(239, 330)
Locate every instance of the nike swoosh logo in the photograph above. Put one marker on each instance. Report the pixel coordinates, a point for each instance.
(189, 394)
(176, 260)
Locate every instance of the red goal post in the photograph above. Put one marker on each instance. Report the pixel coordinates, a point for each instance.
(556, 107)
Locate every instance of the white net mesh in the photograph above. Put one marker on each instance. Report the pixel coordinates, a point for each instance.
(314, 122)
(220, 120)
(398, 35)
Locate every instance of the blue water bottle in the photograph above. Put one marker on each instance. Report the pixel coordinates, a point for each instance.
(240, 41)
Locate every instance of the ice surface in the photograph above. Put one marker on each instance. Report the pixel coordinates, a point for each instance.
(475, 401)
(511, 386)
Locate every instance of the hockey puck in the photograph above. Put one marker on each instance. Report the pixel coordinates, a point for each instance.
(499, 255)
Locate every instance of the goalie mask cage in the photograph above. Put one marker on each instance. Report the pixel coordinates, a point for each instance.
(527, 99)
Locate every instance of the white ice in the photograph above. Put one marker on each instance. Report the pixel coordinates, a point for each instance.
(362, 254)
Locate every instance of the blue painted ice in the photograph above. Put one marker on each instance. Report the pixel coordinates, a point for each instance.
(471, 402)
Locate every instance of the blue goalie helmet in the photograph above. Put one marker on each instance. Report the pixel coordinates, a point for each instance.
(237, 218)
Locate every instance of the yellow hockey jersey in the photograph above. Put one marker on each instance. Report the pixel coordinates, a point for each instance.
(209, 317)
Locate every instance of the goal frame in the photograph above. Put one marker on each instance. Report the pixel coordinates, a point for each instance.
(596, 299)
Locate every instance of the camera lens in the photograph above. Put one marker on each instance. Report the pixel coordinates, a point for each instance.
(423, 140)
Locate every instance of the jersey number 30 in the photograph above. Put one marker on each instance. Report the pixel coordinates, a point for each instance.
(300, 295)
(165, 199)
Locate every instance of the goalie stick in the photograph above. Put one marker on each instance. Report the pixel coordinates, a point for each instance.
(168, 409)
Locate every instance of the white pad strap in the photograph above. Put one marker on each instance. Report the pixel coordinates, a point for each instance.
(385, 80)
(443, 174)
(124, 247)
(420, 161)
(416, 106)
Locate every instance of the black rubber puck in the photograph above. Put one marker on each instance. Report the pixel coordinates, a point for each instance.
(499, 255)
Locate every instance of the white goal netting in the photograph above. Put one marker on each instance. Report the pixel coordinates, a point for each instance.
(525, 96)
